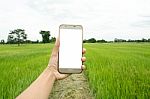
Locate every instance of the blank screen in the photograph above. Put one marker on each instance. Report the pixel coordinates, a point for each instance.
(70, 50)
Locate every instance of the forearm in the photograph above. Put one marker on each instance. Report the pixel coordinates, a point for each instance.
(41, 87)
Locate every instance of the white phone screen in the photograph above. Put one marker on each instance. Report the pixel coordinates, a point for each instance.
(70, 50)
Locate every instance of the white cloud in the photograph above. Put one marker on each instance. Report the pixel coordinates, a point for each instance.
(105, 19)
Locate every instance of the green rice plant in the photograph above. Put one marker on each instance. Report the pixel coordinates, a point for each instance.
(119, 70)
(20, 65)
(114, 70)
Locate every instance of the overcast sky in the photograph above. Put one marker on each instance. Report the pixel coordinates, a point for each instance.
(107, 19)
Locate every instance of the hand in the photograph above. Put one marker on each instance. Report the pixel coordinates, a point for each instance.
(53, 63)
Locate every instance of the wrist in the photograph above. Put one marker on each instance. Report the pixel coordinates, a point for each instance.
(51, 72)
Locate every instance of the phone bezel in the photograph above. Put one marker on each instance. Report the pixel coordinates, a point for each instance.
(70, 70)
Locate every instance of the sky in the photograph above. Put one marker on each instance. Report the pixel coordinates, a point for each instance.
(101, 19)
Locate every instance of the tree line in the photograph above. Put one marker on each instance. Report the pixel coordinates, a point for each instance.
(93, 40)
(18, 36)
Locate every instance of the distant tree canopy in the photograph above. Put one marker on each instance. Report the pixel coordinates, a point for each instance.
(91, 40)
(45, 36)
(101, 41)
(53, 39)
(17, 36)
(119, 40)
(2, 42)
(129, 40)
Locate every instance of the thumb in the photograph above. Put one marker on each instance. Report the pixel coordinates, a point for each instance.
(54, 55)
(56, 47)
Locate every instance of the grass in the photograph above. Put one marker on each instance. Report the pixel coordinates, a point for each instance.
(19, 66)
(120, 70)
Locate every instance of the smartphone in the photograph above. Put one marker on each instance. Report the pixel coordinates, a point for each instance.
(70, 50)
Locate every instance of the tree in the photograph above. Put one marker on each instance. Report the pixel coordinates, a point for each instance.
(10, 39)
(91, 40)
(129, 40)
(45, 36)
(53, 39)
(17, 36)
(119, 40)
(101, 41)
(84, 41)
(143, 40)
(3, 42)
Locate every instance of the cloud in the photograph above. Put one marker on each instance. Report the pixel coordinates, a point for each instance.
(142, 23)
(105, 19)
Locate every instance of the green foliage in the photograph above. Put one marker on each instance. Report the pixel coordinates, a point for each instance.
(53, 39)
(2, 42)
(119, 70)
(119, 40)
(91, 40)
(19, 66)
(101, 41)
(11, 39)
(45, 36)
(17, 36)
(114, 70)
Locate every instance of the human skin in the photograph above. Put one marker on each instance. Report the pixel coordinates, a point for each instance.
(42, 86)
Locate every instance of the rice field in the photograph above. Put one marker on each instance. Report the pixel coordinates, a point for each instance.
(119, 71)
(20, 65)
(114, 70)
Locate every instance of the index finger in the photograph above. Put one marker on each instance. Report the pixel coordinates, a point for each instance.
(83, 51)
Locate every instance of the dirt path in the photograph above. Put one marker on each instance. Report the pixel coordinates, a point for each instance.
(73, 87)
